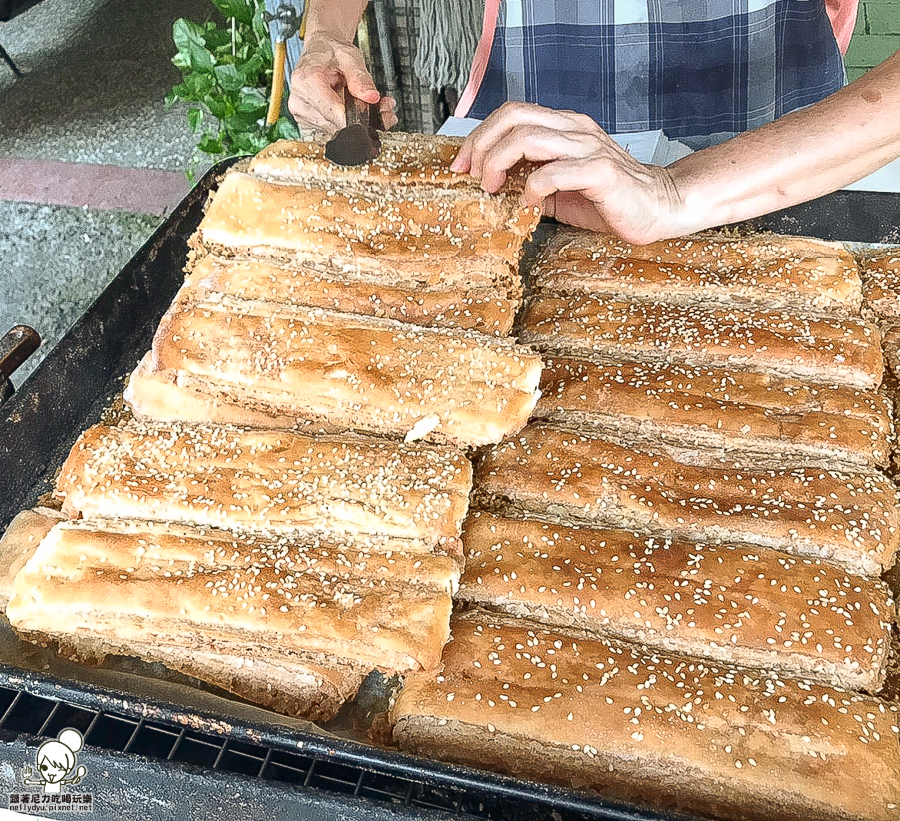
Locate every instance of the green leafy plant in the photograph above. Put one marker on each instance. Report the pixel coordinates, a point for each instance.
(227, 75)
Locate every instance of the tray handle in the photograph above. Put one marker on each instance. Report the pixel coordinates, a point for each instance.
(16, 345)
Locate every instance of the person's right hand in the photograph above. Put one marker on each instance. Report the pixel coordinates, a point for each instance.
(317, 85)
(582, 176)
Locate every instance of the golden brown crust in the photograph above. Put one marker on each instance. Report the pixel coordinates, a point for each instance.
(649, 727)
(410, 217)
(766, 271)
(311, 691)
(832, 351)
(752, 607)
(891, 347)
(400, 225)
(405, 160)
(369, 604)
(350, 371)
(881, 283)
(489, 309)
(19, 542)
(851, 519)
(157, 396)
(710, 416)
(302, 688)
(274, 481)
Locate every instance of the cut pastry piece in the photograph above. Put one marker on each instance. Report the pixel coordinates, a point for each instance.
(852, 519)
(350, 371)
(830, 351)
(314, 605)
(316, 283)
(713, 416)
(277, 482)
(752, 607)
(306, 687)
(649, 727)
(763, 271)
(341, 220)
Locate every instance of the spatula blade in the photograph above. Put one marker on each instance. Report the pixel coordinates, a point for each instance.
(356, 144)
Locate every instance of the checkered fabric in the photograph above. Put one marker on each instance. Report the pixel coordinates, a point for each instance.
(702, 70)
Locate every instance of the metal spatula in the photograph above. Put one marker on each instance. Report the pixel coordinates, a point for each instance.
(358, 142)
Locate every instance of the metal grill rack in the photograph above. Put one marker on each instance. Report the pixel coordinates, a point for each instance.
(327, 767)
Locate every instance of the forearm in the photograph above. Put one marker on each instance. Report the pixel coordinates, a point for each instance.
(337, 19)
(796, 158)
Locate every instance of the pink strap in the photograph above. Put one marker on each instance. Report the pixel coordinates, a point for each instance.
(480, 61)
(842, 14)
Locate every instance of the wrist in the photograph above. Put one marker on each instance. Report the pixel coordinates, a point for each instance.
(691, 205)
(675, 210)
(334, 21)
(320, 41)
(320, 38)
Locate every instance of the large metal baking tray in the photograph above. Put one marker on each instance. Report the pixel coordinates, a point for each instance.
(193, 747)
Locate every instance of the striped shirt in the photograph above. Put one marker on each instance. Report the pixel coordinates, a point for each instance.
(701, 71)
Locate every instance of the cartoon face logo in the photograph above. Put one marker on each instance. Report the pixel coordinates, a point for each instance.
(55, 760)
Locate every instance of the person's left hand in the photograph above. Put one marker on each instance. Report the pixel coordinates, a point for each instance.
(587, 180)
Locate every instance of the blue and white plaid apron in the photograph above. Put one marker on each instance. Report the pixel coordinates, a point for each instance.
(701, 71)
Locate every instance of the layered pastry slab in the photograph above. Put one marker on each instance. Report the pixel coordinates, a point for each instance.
(351, 371)
(753, 607)
(787, 344)
(271, 480)
(763, 271)
(712, 416)
(851, 519)
(652, 727)
(303, 619)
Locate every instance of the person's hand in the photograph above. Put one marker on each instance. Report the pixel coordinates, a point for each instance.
(317, 86)
(586, 179)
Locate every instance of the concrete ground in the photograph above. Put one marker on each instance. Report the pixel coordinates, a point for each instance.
(95, 75)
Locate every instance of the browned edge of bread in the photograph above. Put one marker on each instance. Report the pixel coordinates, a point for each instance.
(851, 519)
(654, 728)
(752, 607)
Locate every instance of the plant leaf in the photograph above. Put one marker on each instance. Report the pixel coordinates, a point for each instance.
(241, 122)
(181, 61)
(195, 88)
(255, 69)
(210, 144)
(216, 39)
(188, 38)
(252, 103)
(249, 142)
(227, 71)
(241, 10)
(260, 26)
(286, 129)
(230, 77)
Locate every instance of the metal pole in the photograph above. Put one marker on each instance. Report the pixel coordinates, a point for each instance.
(387, 51)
